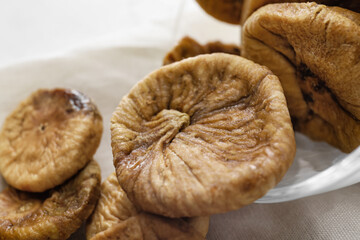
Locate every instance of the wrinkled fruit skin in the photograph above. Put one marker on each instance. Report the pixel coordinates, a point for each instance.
(188, 47)
(115, 217)
(204, 135)
(314, 50)
(48, 138)
(51, 215)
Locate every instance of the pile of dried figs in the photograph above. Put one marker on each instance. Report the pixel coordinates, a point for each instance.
(213, 130)
(46, 156)
(209, 132)
(314, 50)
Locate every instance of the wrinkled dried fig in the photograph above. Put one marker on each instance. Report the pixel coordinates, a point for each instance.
(115, 217)
(314, 50)
(188, 47)
(54, 214)
(204, 135)
(251, 6)
(224, 10)
(48, 138)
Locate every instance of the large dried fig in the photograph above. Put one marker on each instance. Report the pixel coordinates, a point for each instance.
(204, 135)
(48, 138)
(115, 217)
(314, 50)
(188, 47)
(54, 214)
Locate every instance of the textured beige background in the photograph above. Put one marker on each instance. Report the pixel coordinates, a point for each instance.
(329, 216)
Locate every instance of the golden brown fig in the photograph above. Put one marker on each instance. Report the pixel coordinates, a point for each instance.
(204, 135)
(224, 10)
(188, 47)
(314, 50)
(54, 214)
(48, 138)
(251, 6)
(115, 217)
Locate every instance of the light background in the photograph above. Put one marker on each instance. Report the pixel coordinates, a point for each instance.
(44, 28)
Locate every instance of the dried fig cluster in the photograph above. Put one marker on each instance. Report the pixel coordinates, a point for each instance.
(210, 132)
(46, 149)
(314, 50)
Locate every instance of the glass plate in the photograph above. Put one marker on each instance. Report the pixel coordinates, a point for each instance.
(317, 168)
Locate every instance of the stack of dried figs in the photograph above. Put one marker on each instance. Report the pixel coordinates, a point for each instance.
(314, 49)
(212, 131)
(46, 156)
(196, 137)
(209, 132)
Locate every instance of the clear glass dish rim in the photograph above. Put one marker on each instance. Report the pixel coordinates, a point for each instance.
(332, 178)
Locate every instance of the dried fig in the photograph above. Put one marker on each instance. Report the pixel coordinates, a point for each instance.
(48, 138)
(54, 214)
(204, 135)
(188, 47)
(314, 50)
(115, 217)
(224, 10)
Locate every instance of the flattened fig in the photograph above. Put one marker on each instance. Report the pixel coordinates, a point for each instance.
(54, 214)
(48, 138)
(204, 135)
(188, 47)
(115, 217)
(314, 50)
